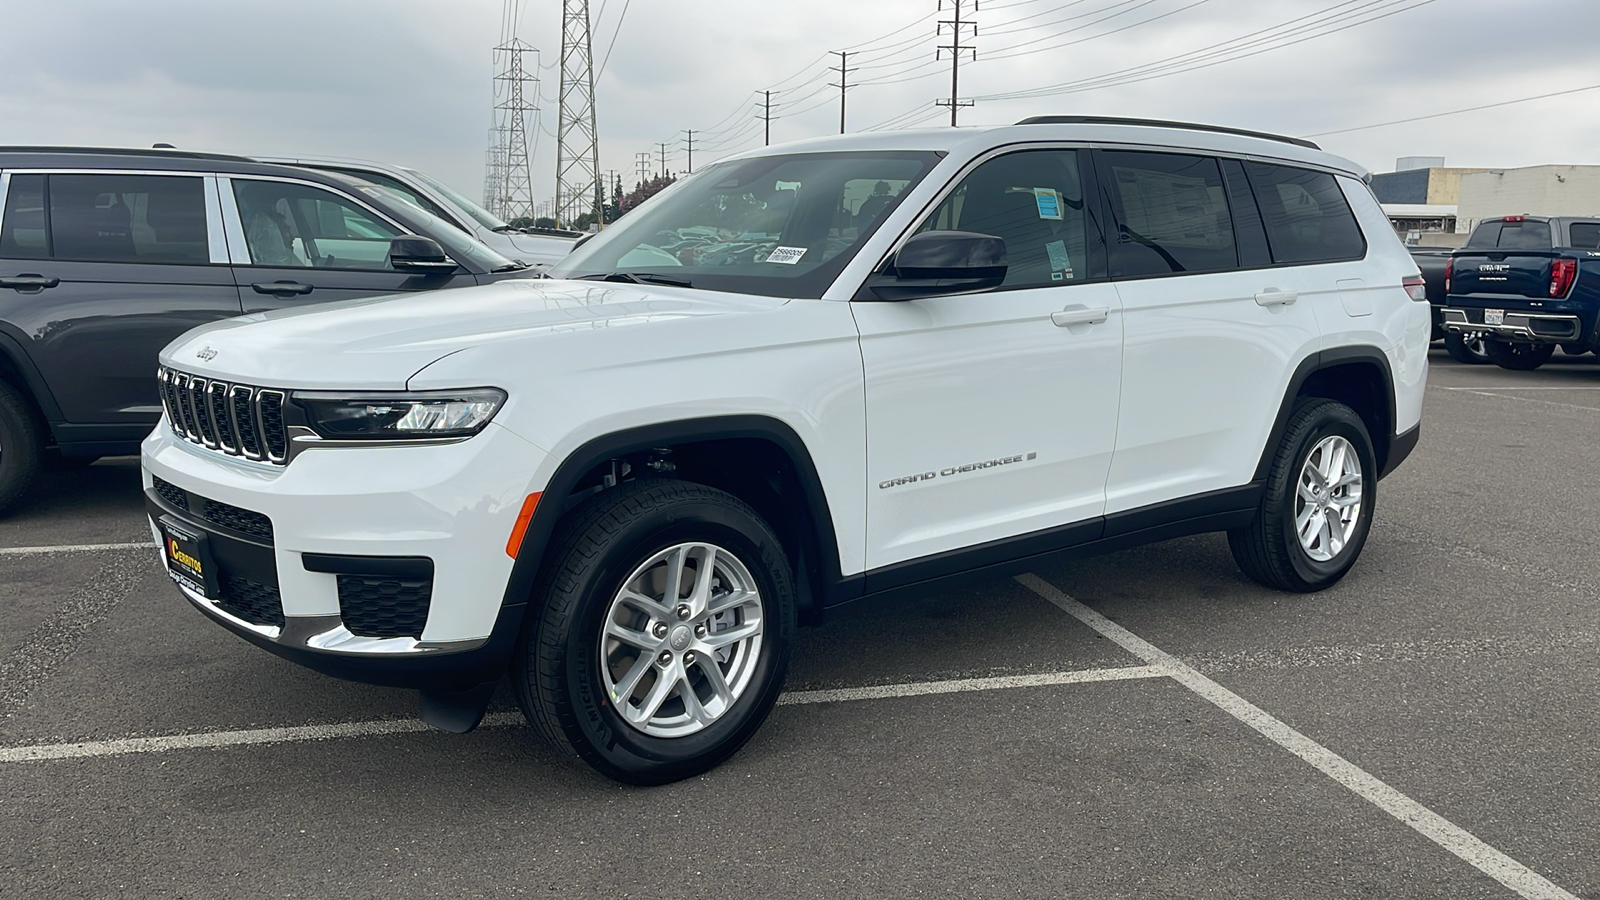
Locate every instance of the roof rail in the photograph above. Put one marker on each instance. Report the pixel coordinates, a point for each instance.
(1162, 123)
(127, 151)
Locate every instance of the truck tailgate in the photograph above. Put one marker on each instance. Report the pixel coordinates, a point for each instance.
(1515, 273)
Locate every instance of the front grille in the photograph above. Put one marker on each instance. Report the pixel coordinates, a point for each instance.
(174, 495)
(237, 419)
(379, 606)
(241, 520)
(252, 601)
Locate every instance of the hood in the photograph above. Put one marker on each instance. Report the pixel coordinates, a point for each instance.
(378, 343)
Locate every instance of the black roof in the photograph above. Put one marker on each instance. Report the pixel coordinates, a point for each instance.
(1162, 123)
(163, 153)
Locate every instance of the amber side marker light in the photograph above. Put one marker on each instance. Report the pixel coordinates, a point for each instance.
(521, 528)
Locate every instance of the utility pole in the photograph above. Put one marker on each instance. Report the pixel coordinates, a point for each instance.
(690, 132)
(956, 48)
(844, 81)
(578, 143)
(663, 146)
(641, 161)
(767, 116)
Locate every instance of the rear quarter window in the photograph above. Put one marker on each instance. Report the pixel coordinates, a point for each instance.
(1585, 235)
(1307, 217)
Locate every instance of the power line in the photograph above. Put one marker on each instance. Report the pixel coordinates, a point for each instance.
(618, 30)
(1456, 112)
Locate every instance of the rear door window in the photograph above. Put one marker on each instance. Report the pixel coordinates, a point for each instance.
(120, 218)
(1307, 217)
(299, 226)
(1585, 235)
(1172, 214)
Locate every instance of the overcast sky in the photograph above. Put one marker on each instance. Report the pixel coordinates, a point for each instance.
(409, 81)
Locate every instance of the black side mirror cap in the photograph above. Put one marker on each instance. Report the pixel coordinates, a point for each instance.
(415, 253)
(940, 262)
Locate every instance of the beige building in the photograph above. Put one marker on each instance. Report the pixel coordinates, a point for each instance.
(1534, 191)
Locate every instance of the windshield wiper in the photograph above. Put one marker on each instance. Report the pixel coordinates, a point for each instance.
(638, 278)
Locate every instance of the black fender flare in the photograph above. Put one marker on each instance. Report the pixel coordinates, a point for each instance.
(820, 581)
(16, 358)
(1327, 359)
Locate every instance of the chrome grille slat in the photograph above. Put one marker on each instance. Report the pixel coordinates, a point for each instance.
(235, 419)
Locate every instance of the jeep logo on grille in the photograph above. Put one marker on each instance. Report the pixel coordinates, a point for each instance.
(206, 353)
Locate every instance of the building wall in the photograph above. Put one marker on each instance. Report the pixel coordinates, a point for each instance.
(1444, 185)
(1535, 191)
(1438, 185)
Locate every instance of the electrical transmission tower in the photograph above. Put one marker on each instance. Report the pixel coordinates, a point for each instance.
(956, 48)
(578, 152)
(494, 170)
(508, 169)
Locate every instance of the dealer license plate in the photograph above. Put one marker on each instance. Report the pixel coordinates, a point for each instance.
(1494, 317)
(188, 557)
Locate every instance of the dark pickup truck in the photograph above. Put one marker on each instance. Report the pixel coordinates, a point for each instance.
(1527, 284)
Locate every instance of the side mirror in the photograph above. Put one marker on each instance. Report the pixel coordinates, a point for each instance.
(423, 255)
(941, 262)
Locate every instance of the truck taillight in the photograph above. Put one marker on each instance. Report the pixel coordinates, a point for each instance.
(1416, 288)
(1512, 218)
(1449, 269)
(1563, 272)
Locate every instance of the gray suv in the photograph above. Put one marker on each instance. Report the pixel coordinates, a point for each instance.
(107, 255)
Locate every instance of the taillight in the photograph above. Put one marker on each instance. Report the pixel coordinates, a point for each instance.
(1416, 288)
(1449, 270)
(1563, 272)
(1512, 218)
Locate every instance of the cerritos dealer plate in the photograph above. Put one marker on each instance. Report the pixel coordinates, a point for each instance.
(188, 557)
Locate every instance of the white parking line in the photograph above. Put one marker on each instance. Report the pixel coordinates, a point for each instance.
(1521, 399)
(298, 733)
(75, 548)
(1424, 821)
(1524, 387)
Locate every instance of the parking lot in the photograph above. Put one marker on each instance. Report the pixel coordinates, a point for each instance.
(1144, 724)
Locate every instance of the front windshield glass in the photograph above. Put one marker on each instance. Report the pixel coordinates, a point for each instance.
(779, 226)
(460, 245)
(485, 218)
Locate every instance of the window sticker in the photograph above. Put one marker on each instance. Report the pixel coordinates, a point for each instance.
(1049, 202)
(787, 256)
(1060, 263)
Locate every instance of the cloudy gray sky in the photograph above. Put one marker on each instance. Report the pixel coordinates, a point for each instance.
(410, 80)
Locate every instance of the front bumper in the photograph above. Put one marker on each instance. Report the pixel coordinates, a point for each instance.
(1547, 328)
(306, 550)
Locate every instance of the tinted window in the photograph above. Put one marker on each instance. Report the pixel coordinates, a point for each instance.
(1307, 217)
(1172, 214)
(399, 187)
(1525, 235)
(128, 218)
(24, 235)
(297, 225)
(1034, 200)
(1585, 235)
(1486, 234)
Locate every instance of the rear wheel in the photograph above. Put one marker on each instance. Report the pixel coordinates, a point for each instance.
(21, 444)
(1466, 348)
(1520, 356)
(1574, 349)
(1317, 507)
(662, 633)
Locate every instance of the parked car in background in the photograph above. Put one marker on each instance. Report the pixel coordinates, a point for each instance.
(1465, 347)
(1528, 284)
(535, 246)
(107, 255)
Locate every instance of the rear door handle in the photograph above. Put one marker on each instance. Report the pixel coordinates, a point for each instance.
(281, 287)
(29, 284)
(1080, 315)
(1275, 297)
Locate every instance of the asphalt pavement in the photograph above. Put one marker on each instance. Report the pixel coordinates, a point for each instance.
(1146, 724)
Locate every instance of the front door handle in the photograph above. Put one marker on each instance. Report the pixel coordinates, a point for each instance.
(29, 284)
(1275, 297)
(281, 288)
(1080, 315)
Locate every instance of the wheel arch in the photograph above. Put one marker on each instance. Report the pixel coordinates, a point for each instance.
(18, 369)
(760, 459)
(1359, 377)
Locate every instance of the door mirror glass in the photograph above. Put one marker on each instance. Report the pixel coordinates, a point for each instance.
(415, 253)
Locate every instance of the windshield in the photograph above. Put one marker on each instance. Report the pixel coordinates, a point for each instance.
(460, 245)
(485, 218)
(778, 226)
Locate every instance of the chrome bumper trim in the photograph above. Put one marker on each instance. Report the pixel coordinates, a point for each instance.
(1517, 325)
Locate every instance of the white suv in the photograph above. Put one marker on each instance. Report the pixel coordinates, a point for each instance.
(805, 375)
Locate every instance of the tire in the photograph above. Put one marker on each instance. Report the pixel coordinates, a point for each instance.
(1574, 349)
(1466, 348)
(1519, 356)
(574, 660)
(1271, 550)
(21, 444)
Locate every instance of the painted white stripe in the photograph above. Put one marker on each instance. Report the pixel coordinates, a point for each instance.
(1524, 399)
(298, 733)
(74, 548)
(1424, 821)
(964, 685)
(1524, 387)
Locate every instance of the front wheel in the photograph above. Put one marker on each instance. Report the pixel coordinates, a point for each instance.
(21, 444)
(1519, 356)
(661, 634)
(1317, 507)
(1466, 348)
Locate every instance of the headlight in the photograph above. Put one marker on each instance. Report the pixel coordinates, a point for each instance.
(401, 415)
